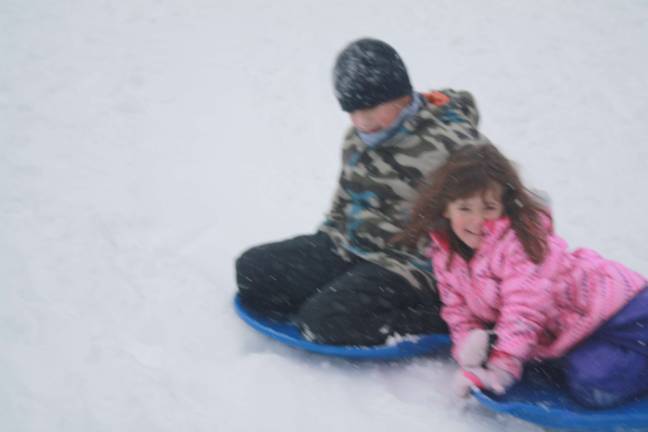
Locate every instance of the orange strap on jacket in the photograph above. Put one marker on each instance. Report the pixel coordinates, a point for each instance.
(437, 98)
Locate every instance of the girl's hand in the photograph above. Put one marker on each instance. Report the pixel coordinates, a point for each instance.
(490, 378)
(475, 349)
(463, 382)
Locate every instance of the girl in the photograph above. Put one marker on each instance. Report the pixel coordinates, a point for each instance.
(503, 275)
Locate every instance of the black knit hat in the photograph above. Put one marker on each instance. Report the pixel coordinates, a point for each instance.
(367, 73)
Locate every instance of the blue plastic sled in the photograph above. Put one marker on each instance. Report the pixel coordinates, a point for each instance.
(540, 400)
(289, 334)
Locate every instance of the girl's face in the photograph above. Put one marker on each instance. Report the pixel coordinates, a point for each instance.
(467, 215)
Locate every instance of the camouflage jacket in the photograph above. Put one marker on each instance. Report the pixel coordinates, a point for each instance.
(378, 184)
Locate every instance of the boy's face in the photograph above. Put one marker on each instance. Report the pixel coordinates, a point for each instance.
(377, 118)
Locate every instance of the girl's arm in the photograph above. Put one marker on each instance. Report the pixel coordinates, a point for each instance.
(456, 313)
(524, 298)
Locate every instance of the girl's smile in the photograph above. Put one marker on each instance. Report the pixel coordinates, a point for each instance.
(467, 215)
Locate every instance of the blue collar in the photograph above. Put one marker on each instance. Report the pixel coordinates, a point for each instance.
(372, 139)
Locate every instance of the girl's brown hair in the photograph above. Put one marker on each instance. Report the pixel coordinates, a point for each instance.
(471, 170)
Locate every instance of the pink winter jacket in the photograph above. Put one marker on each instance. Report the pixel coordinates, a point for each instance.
(538, 311)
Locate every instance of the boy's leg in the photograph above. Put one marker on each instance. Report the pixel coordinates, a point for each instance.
(274, 279)
(366, 305)
(612, 366)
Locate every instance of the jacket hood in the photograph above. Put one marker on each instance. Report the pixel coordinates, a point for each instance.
(454, 105)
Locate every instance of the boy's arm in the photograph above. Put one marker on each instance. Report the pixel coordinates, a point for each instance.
(336, 216)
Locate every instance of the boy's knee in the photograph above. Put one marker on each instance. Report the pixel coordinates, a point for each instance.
(255, 289)
(338, 331)
(316, 319)
(248, 269)
(324, 319)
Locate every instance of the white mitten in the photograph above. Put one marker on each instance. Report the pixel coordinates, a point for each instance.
(492, 379)
(474, 350)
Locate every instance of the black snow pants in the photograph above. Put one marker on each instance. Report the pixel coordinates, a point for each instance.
(332, 300)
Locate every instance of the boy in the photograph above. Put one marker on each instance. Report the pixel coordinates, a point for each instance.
(348, 284)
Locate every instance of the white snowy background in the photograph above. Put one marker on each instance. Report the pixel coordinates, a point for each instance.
(144, 144)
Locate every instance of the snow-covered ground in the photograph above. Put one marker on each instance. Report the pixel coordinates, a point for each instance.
(144, 144)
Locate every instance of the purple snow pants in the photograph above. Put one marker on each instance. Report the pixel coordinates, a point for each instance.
(612, 365)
